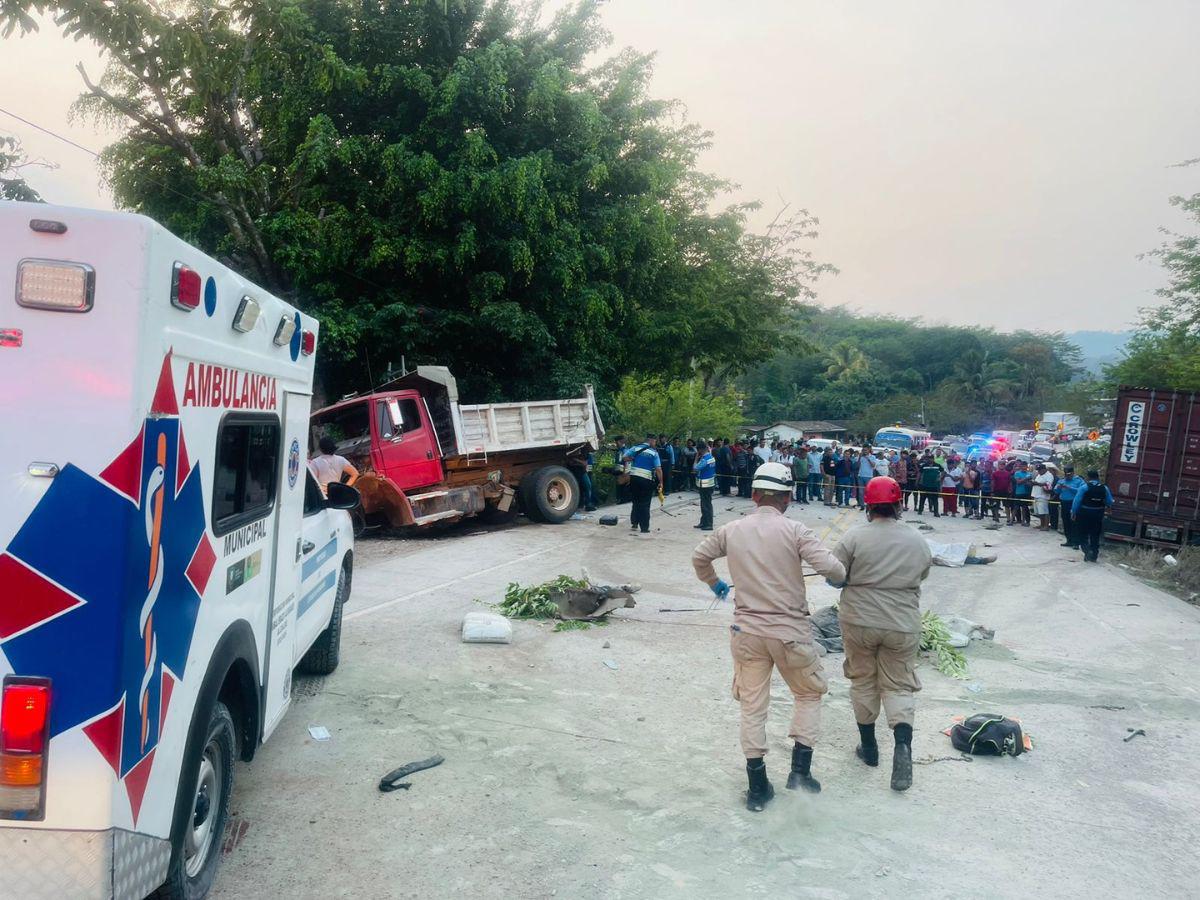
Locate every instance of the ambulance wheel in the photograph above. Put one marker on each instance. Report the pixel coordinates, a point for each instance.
(322, 656)
(553, 495)
(196, 841)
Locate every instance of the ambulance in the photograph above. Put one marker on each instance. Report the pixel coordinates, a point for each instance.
(166, 559)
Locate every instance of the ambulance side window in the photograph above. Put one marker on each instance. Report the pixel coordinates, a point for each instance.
(245, 473)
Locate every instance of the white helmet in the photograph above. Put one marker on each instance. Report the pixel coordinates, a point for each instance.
(772, 477)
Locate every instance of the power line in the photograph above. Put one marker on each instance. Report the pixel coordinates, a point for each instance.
(52, 134)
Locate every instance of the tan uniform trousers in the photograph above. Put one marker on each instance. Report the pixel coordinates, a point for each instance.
(882, 666)
(753, 659)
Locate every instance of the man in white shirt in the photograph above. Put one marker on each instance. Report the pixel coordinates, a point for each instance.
(329, 466)
(762, 452)
(881, 463)
(1042, 486)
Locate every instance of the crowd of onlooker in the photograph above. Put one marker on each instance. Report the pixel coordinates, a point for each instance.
(938, 481)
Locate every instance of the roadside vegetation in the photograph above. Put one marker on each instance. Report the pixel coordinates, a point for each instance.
(1150, 565)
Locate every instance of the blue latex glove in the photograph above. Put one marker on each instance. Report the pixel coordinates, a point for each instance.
(721, 589)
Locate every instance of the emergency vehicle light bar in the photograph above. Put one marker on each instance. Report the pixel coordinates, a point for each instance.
(24, 735)
(55, 285)
(247, 315)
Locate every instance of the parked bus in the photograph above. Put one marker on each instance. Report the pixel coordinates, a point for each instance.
(899, 438)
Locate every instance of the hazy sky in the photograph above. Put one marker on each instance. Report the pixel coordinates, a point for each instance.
(1001, 163)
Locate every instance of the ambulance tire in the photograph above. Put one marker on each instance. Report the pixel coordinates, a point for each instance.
(322, 657)
(212, 766)
(550, 495)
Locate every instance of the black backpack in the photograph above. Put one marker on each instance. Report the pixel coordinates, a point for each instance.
(988, 734)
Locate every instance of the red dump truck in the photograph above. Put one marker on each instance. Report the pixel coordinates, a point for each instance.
(424, 458)
(1154, 468)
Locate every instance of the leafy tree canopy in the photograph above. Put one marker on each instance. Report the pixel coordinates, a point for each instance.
(453, 181)
(680, 409)
(13, 185)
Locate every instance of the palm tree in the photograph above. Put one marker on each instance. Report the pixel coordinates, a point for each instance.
(845, 360)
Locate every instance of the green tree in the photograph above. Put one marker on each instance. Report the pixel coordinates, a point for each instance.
(453, 181)
(13, 160)
(845, 360)
(676, 408)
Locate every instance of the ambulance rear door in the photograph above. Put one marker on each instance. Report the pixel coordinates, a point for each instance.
(290, 551)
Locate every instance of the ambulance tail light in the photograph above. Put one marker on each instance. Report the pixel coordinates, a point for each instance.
(308, 343)
(24, 735)
(185, 287)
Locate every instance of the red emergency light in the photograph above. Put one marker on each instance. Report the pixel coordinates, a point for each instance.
(11, 337)
(185, 287)
(308, 343)
(24, 734)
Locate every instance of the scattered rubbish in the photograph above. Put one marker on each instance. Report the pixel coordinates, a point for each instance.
(993, 526)
(575, 600)
(1133, 604)
(928, 761)
(1134, 732)
(973, 630)
(827, 630)
(486, 628)
(1123, 566)
(392, 780)
(957, 639)
(975, 687)
(319, 733)
(683, 609)
(925, 527)
(581, 517)
(1170, 560)
(1110, 708)
(608, 520)
(612, 664)
(988, 734)
(641, 718)
(935, 637)
(606, 645)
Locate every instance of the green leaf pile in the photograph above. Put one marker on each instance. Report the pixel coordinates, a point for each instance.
(935, 637)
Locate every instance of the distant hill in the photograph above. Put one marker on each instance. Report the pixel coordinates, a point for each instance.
(1099, 347)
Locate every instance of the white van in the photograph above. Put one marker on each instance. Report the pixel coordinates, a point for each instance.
(165, 558)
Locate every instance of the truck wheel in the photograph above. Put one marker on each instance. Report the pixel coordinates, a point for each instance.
(322, 657)
(196, 842)
(553, 495)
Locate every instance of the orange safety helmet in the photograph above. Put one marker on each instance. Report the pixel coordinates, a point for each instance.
(882, 489)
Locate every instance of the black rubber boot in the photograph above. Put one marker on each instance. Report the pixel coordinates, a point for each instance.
(902, 758)
(760, 791)
(800, 776)
(867, 750)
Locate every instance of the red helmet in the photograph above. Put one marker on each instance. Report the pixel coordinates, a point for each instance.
(882, 489)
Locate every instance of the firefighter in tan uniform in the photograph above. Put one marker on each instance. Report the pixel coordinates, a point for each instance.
(881, 623)
(771, 628)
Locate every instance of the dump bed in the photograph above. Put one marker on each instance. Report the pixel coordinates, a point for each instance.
(1154, 466)
(488, 428)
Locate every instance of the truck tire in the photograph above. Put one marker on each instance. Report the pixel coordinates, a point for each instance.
(323, 656)
(550, 495)
(196, 841)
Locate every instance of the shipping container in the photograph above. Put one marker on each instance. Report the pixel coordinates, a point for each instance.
(1154, 468)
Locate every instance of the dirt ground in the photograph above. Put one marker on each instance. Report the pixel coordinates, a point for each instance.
(566, 777)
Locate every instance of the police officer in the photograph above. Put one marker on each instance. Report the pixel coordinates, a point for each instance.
(1070, 485)
(666, 458)
(1087, 514)
(623, 493)
(705, 469)
(771, 629)
(645, 471)
(880, 617)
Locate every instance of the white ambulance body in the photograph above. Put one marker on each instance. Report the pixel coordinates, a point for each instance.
(165, 557)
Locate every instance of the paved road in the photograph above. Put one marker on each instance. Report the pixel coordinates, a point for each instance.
(566, 778)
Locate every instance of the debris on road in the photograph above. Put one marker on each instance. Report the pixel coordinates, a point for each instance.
(935, 638)
(972, 630)
(486, 628)
(319, 733)
(827, 630)
(575, 600)
(957, 555)
(612, 664)
(608, 520)
(1134, 732)
(988, 734)
(392, 780)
